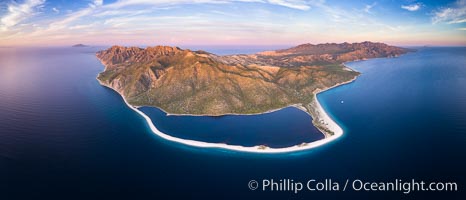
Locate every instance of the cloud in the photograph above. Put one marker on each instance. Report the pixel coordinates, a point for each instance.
(75, 16)
(96, 12)
(295, 4)
(454, 14)
(19, 12)
(85, 26)
(98, 9)
(355, 18)
(368, 8)
(412, 7)
(98, 2)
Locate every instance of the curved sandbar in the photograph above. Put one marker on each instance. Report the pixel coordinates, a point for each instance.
(321, 116)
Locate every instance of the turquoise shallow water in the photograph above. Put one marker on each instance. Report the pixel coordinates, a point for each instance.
(64, 136)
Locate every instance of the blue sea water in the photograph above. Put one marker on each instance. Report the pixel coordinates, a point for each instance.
(63, 136)
(284, 128)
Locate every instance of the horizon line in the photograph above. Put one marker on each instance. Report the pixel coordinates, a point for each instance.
(226, 45)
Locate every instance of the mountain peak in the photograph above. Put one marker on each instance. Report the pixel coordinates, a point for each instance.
(120, 54)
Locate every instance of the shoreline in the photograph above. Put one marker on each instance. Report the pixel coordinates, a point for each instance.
(321, 116)
(298, 106)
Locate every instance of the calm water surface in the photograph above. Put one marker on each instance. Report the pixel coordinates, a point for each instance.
(284, 128)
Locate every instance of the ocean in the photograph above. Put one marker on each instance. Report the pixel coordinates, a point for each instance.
(64, 136)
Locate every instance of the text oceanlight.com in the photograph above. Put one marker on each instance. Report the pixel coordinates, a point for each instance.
(404, 186)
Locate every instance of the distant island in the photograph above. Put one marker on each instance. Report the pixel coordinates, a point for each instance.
(79, 45)
(186, 82)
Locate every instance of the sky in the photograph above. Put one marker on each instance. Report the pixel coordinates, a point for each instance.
(231, 22)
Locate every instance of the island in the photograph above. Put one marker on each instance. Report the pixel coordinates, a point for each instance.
(79, 45)
(185, 82)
